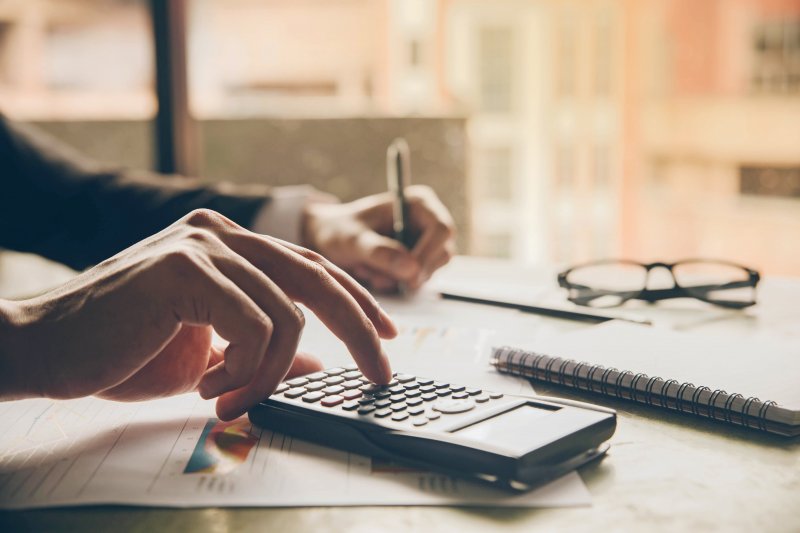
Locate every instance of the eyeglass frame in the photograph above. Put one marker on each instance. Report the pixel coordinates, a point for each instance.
(677, 291)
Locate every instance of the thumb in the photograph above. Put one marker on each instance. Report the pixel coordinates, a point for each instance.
(386, 256)
(303, 364)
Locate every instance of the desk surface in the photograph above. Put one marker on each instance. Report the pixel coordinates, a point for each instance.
(665, 471)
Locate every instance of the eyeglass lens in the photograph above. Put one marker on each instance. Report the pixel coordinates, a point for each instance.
(606, 284)
(715, 282)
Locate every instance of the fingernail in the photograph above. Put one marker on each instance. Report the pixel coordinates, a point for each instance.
(404, 266)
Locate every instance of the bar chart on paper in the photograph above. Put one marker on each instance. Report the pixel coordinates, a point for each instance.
(175, 452)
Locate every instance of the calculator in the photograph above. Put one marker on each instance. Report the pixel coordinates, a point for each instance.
(515, 442)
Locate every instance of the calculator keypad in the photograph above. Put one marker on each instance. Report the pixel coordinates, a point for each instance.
(406, 399)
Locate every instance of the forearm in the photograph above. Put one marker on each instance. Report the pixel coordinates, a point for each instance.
(118, 210)
(63, 206)
(17, 366)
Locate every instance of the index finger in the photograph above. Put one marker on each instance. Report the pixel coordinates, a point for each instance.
(321, 287)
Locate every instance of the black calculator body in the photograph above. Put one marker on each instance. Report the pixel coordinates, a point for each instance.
(515, 442)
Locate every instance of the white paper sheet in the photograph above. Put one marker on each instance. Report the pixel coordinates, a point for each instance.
(173, 452)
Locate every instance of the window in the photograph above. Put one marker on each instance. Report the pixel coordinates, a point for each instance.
(495, 174)
(776, 57)
(496, 69)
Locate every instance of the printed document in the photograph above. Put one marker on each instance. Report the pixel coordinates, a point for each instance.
(175, 452)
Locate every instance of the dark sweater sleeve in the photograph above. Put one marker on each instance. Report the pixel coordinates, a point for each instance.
(58, 204)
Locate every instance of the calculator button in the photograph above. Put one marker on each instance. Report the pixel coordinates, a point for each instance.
(396, 389)
(404, 378)
(414, 411)
(460, 395)
(393, 383)
(351, 394)
(398, 407)
(427, 388)
(382, 413)
(411, 385)
(313, 397)
(295, 392)
(413, 401)
(424, 381)
(351, 374)
(350, 406)
(335, 371)
(432, 415)
(281, 388)
(383, 403)
(457, 388)
(443, 392)
(399, 417)
(331, 401)
(382, 394)
(316, 376)
(351, 366)
(333, 389)
(366, 409)
(352, 384)
(429, 396)
(440, 384)
(394, 398)
(450, 406)
(370, 387)
(482, 398)
(495, 395)
(420, 421)
(412, 393)
(472, 391)
(333, 380)
(366, 400)
(296, 382)
(315, 385)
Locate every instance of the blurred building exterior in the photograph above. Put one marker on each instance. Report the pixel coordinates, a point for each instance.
(651, 129)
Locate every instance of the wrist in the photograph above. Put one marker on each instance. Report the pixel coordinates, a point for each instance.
(311, 219)
(309, 226)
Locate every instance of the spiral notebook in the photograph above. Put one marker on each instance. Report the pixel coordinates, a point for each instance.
(749, 382)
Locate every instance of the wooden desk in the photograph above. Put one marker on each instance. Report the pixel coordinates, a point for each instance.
(665, 471)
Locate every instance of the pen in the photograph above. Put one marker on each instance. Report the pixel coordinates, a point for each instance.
(547, 311)
(575, 403)
(398, 174)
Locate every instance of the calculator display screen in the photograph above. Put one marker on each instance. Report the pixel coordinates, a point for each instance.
(510, 429)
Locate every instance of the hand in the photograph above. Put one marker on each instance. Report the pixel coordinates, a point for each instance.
(138, 325)
(355, 236)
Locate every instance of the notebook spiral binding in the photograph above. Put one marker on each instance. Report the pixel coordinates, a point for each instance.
(641, 388)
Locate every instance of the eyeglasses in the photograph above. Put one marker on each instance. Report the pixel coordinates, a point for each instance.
(612, 282)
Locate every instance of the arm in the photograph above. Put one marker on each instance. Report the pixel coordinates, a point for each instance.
(138, 325)
(58, 204)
